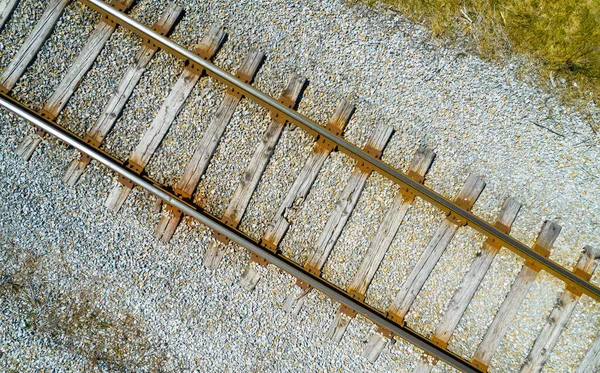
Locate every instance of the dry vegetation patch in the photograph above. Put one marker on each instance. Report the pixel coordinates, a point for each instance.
(74, 319)
(562, 35)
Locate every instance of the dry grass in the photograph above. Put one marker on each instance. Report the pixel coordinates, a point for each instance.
(563, 36)
(74, 319)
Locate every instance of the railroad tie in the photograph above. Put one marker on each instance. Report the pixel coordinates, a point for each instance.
(6, 9)
(298, 191)
(470, 283)
(339, 216)
(54, 105)
(251, 177)
(25, 56)
(124, 89)
(411, 184)
(197, 165)
(591, 360)
(546, 340)
(167, 113)
(514, 298)
(420, 164)
(466, 198)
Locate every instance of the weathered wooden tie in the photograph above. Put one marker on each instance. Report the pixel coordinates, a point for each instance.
(194, 170)
(514, 298)
(466, 197)
(470, 283)
(17, 66)
(117, 102)
(382, 241)
(53, 106)
(546, 340)
(241, 198)
(166, 116)
(6, 9)
(339, 216)
(591, 360)
(299, 190)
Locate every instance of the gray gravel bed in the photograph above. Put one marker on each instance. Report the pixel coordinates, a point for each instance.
(478, 117)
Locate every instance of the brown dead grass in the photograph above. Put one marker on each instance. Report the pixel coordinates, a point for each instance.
(562, 36)
(74, 320)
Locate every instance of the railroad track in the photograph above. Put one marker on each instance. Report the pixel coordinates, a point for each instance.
(177, 199)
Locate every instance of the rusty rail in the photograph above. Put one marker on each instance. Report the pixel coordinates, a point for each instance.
(215, 224)
(347, 148)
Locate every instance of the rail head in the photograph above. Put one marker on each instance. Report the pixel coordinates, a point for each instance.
(215, 224)
(437, 200)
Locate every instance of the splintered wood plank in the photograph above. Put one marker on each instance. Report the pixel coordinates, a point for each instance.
(513, 300)
(378, 247)
(345, 204)
(69, 83)
(117, 102)
(591, 361)
(299, 190)
(338, 326)
(6, 9)
(239, 202)
(466, 198)
(375, 347)
(165, 117)
(546, 340)
(80, 66)
(342, 210)
(470, 283)
(32, 45)
(194, 170)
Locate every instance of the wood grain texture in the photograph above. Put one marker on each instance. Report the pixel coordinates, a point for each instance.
(338, 326)
(470, 283)
(167, 113)
(194, 170)
(211, 138)
(6, 9)
(306, 178)
(435, 248)
(345, 204)
(249, 181)
(264, 150)
(32, 45)
(559, 317)
(249, 279)
(213, 256)
(113, 109)
(591, 360)
(68, 84)
(388, 228)
(509, 308)
(92, 48)
(375, 347)
(295, 300)
(303, 182)
(28, 145)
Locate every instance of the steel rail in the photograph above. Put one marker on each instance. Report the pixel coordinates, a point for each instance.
(215, 224)
(349, 149)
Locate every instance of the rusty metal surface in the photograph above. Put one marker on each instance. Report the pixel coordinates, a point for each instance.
(292, 116)
(312, 281)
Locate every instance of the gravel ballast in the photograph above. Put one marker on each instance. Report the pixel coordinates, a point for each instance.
(77, 280)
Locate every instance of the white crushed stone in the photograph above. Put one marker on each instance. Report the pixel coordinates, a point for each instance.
(478, 117)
